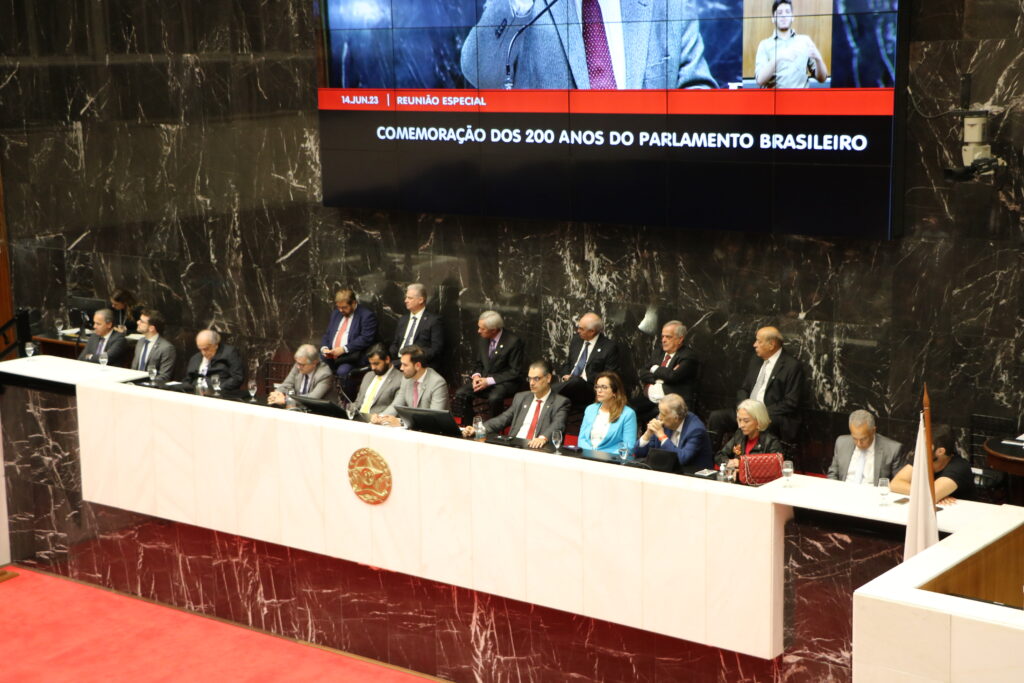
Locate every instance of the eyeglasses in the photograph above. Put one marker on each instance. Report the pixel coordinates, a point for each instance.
(533, 380)
(606, 387)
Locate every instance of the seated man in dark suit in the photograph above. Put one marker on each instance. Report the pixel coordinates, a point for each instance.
(590, 354)
(673, 370)
(535, 414)
(678, 430)
(380, 385)
(864, 455)
(308, 377)
(215, 358)
(105, 339)
(350, 331)
(153, 350)
(775, 378)
(419, 326)
(498, 372)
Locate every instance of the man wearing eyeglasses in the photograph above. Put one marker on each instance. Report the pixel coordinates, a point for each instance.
(308, 377)
(590, 354)
(535, 414)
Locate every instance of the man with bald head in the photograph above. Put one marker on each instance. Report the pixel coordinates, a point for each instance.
(776, 379)
(215, 358)
(591, 352)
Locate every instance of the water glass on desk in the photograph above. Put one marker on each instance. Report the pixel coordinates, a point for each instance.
(104, 359)
(252, 391)
(787, 473)
(30, 349)
(215, 383)
(623, 454)
(350, 409)
(883, 490)
(556, 439)
(152, 376)
(478, 428)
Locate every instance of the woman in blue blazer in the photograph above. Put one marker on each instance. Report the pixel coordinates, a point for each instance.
(609, 424)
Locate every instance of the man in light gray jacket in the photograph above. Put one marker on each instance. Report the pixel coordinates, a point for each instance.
(422, 387)
(864, 455)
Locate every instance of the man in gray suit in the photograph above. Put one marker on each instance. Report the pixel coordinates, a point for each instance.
(630, 44)
(422, 387)
(864, 455)
(535, 414)
(378, 388)
(308, 377)
(153, 351)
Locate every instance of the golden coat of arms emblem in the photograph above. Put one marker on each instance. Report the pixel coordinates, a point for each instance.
(370, 476)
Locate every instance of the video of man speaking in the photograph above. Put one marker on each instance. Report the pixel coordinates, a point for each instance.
(612, 44)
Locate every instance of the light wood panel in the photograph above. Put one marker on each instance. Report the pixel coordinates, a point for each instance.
(812, 18)
(994, 573)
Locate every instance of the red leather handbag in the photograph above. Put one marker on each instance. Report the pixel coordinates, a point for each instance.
(760, 468)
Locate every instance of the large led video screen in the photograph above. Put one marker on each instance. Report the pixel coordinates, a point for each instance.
(750, 115)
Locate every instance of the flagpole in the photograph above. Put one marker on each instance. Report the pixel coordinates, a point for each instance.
(927, 411)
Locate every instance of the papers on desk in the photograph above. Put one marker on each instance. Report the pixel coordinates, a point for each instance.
(1015, 442)
(134, 336)
(1020, 438)
(71, 332)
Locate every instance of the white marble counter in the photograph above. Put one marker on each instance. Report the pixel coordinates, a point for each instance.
(625, 545)
(827, 495)
(67, 371)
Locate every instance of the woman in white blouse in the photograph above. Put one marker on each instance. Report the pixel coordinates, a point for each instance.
(609, 424)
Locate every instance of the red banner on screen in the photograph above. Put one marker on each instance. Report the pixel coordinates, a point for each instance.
(810, 102)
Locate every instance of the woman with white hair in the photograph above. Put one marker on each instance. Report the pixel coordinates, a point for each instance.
(751, 437)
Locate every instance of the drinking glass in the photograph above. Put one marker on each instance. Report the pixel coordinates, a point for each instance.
(556, 439)
(252, 391)
(30, 348)
(152, 376)
(883, 490)
(104, 359)
(623, 454)
(478, 428)
(215, 383)
(201, 386)
(787, 473)
(351, 409)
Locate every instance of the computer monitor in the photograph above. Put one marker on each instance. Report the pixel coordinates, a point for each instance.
(321, 407)
(429, 421)
(81, 309)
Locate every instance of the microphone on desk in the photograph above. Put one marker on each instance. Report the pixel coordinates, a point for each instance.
(508, 54)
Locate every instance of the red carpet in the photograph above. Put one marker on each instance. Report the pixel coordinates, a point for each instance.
(53, 629)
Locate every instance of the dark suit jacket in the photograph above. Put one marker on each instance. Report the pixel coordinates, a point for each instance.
(116, 348)
(226, 362)
(694, 444)
(552, 416)
(161, 356)
(766, 443)
(604, 355)
(782, 395)
(429, 337)
(362, 330)
(679, 376)
(507, 365)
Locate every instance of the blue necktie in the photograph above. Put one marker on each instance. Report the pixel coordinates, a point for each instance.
(582, 362)
(142, 358)
(305, 385)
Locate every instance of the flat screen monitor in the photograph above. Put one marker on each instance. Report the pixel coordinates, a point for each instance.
(321, 407)
(429, 421)
(748, 115)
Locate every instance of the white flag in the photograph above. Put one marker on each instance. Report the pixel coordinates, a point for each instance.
(922, 527)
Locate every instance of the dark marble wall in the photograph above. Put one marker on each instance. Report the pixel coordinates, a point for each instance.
(172, 148)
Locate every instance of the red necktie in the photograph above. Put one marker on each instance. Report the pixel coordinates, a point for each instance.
(533, 423)
(341, 331)
(664, 363)
(595, 44)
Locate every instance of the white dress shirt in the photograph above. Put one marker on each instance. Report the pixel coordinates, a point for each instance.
(768, 366)
(862, 465)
